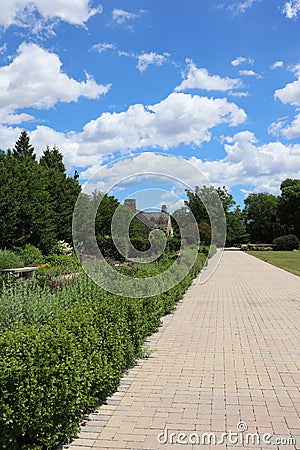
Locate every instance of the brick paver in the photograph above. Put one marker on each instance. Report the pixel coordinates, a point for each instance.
(228, 355)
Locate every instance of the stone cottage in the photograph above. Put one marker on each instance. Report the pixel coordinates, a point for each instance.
(152, 220)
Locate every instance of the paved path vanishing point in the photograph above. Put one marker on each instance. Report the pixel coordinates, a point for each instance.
(228, 355)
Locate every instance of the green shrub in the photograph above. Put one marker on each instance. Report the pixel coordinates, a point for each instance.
(63, 352)
(31, 255)
(287, 242)
(10, 260)
(62, 264)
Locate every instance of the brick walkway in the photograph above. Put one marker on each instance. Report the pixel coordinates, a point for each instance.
(229, 354)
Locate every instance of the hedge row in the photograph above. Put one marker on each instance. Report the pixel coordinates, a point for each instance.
(54, 370)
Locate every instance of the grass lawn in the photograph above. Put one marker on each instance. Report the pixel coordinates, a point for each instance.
(289, 261)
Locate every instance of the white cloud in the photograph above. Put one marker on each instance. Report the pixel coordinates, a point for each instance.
(249, 163)
(261, 167)
(180, 118)
(275, 129)
(242, 60)
(11, 119)
(292, 131)
(277, 64)
(127, 54)
(238, 94)
(77, 12)
(281, 127)
(249, 73)
(146, 59)
(295, 69)
(103, 47)
(121, 16)
(35, 79)
(143, 60)
(291, 9)
(291, 92)
(241, 7)
(201, 79)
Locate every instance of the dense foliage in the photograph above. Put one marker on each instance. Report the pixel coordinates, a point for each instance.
(268, 216)
(62, 352)
(264, 218)
(261, 211)
(37, 199)
(289, 206)
(63, 348)
(287, 242)
(9, 259)
(236, 230)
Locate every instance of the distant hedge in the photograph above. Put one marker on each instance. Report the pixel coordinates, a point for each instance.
(56, 364)
(287, 242)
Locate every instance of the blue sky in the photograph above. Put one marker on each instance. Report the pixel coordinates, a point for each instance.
(216, 83)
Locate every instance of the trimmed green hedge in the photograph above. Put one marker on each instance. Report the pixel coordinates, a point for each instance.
(287, 242)
(55, 369)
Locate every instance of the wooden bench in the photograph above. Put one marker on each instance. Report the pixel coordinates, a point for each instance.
(25, 272)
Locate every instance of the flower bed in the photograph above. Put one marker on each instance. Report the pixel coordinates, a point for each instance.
(63, 351)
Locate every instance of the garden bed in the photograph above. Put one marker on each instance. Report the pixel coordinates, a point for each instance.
(63, 351)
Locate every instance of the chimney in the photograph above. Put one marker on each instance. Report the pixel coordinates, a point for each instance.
(164, 209)
(130, 203)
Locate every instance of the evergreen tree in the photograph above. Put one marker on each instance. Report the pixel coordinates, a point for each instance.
(53, 159)
(23, 146)
(36, 203)
(26, 215)
(63, 193)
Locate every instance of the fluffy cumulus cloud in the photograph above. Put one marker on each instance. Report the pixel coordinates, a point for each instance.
(291, 92)
(201, 79)
(248, 163)
(260, 167)
(75, 12)
(148, 167)
(242, 60)
(147, 59)
(35, 79)
(180, 118)
(291, 9)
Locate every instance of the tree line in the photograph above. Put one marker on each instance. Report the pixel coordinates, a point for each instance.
(38, 198)
(264, 218)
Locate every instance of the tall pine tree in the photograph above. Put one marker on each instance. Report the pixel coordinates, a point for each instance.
(53, 159)
(23, 146)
